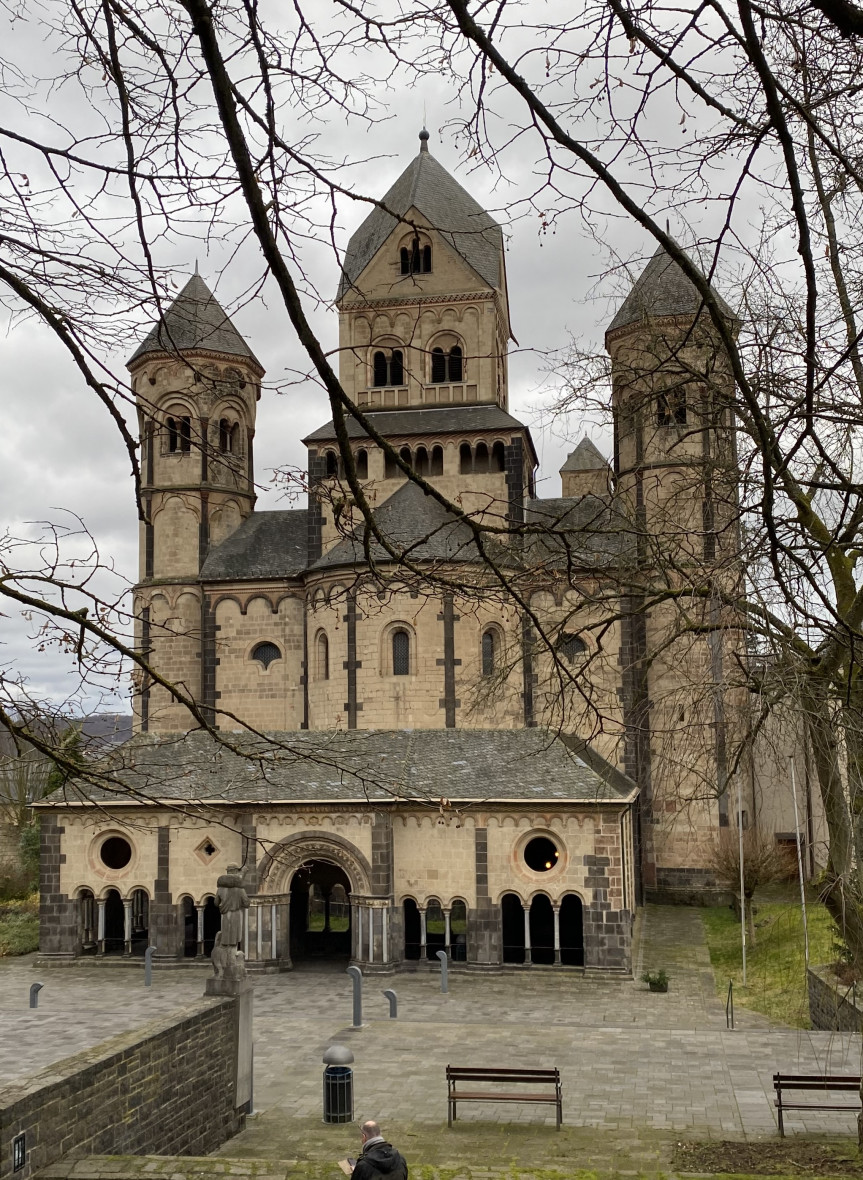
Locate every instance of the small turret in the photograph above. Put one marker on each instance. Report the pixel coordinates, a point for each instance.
(585, 472)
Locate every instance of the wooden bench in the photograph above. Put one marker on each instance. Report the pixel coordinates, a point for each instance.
(470, 1078)
(813, 1081)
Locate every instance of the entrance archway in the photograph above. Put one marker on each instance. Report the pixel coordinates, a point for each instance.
(320, 921)
(541, 930)
(572, 931)
(114, 923)
(512, 921)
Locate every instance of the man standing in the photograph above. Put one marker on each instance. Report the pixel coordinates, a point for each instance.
(379, 1158)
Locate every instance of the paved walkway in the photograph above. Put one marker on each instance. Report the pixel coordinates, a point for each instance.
(640, 1066)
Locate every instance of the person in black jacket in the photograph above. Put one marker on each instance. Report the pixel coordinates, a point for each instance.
(379, 1158)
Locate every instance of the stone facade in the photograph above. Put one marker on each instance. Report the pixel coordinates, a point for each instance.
(165, 1090)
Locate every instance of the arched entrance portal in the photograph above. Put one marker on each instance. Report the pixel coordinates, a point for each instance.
(320, 912)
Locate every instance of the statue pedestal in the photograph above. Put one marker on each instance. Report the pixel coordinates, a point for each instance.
(226, 987)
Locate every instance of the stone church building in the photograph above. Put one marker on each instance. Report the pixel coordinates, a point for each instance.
(442, 730)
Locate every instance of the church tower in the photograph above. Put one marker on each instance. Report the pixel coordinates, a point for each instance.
(676, 485)
(196, 385)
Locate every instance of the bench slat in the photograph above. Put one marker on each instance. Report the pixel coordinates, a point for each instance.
(458, 1096)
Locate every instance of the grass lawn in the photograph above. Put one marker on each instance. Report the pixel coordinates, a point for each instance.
(19, 926)
(775, 965)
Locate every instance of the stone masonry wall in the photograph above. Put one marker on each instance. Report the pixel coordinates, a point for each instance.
(167, 1089)
(833, 1007)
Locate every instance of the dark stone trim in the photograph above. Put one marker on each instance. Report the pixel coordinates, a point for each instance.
(305, 677)
(250, 463)
(527, 671)
(382, 855)
(480, 844)
(636, 743)
(513, 465)
(314, 520)
(145, 679)
(209, 662)
(58, 920)
(204, 426)
(149, 539)
(163, 916)
(249, 833)
(204, 531)
(351, 662)
(449, 619)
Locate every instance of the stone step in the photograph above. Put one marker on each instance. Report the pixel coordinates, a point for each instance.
(121, 1167)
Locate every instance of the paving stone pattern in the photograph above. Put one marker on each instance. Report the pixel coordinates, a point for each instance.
(632, 1062)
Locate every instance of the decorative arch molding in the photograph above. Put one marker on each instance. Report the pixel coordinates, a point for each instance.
(279, 863)
(217, 602)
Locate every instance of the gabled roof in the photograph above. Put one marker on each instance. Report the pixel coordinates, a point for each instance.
(266, 545)
(585, 457)
(578, 531)
(195, 320)
(426, 185)
(411, 521)
(357, 766)
(662, 289)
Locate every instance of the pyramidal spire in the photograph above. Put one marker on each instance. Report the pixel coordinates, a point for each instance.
(195, 321)
(662, 289)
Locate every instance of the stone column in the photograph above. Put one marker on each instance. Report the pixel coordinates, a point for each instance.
(527, 956)
(127, 926)
(447, 932)
(100, 925)
(556, 933)
(422, 911)
(199, 911)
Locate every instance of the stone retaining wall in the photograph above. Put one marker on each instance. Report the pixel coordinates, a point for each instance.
(833, 1006)
(167, 1089)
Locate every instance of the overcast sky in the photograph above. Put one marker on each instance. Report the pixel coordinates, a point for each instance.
(60, 454)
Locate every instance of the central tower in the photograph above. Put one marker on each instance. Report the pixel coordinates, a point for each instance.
(423, 316)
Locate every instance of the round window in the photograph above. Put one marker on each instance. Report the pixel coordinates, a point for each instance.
(116, 852)
(541, 854)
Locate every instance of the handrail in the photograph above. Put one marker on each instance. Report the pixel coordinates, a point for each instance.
(729, 1006)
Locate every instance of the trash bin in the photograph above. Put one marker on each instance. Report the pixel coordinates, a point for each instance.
(338, 1085)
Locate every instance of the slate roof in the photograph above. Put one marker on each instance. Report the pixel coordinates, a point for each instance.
(585, 457)
(439, 420)
(662, 289)
(266, 545)
(582, 530)
(413, 522)
(462, 765)
(194, 320)
(447, 207)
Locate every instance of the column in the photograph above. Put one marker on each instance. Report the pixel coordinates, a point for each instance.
(422, 932)
(385, 921)
(359, 933)
(371, 934)
(127, 926)
(259, 932)
(527, 957)
(246, 934)
(273, 946)
(199, 910)
(447, 933)
(556, 933)
(100, 927)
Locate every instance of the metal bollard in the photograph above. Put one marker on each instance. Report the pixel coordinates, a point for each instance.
(394, 1002)
(444, 971)
(35, 988)
(148, 965)
(357, 976)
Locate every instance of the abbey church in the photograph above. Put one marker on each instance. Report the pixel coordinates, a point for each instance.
(449, 715)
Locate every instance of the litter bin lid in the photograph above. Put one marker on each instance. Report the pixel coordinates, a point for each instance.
(338, 1055)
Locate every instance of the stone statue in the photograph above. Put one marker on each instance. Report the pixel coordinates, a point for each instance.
(232, 899)
(229, 962)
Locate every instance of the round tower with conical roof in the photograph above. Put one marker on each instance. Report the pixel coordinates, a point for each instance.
(676, 481)
(196, 385)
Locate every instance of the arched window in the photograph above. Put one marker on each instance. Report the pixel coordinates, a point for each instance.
(224, 436)
(458, 931)
(391, 470)
(465, 458)
(362, 464)
(265, 653)
(405, 456)
(234, 439)
(571, 647)
(438, 368)
(421, 463)
(480, 459)
(488, 652)
(416, 260)
(180, 435)
(380, 369)
(498, 457)
(332, 463)
(437, 461)
(323, 657)
(671, 408)
(447, 366)
(401, 653)
(388, 369)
